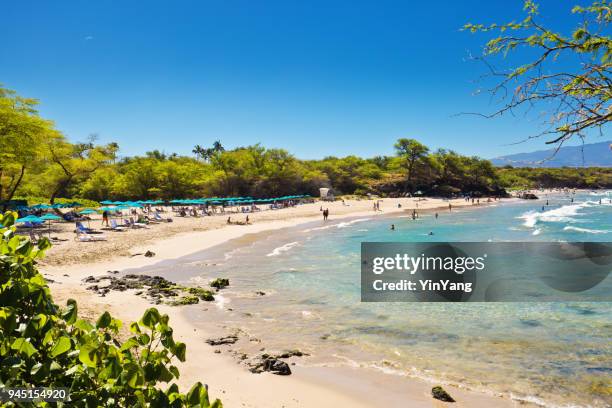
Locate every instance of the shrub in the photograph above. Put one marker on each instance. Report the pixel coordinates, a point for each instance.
(42, 345)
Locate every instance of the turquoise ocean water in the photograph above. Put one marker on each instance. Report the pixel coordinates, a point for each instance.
(553, 354)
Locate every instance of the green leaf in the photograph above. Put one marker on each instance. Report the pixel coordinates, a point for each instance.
(24, 346)
(88, 355)
(150, 318)
(180, 351)
(70, 315)
(104, 321)
(62, 346)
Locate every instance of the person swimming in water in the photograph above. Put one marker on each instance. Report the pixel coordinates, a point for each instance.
(436, 216)
(430, 233)
(392, 227)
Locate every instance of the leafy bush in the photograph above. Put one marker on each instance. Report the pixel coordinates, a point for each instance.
(44, 346)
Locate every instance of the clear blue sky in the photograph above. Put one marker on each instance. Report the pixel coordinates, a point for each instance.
(315, 77)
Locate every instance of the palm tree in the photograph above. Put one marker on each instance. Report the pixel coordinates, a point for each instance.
(218, 147)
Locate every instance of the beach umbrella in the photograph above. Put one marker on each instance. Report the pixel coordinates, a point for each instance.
(88, 211)
(30, 218)
(50, 217)
(105, 202)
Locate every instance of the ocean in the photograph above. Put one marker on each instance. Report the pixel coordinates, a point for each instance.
(551, 354)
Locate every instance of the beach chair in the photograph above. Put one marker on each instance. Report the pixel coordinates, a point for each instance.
(81, 228)
(115, 227)
(159, 218)
(134, 224)
(85, 237)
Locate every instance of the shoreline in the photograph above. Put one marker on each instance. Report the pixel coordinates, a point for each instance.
(309, 386)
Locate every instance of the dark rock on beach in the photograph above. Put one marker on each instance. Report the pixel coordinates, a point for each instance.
(291, 353)
(270, 364)
(440, 394)
(231, 339)
(276, 366)
(219, 283)
(155, 288)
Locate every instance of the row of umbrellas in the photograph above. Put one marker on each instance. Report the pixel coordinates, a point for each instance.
(140, 202)
(236, 200)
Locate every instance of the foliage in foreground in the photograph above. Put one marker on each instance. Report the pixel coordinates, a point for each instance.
(42, 345)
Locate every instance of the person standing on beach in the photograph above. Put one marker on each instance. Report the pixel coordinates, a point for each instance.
(325, 214)
(105, 218)
(450, 207)
(436, 216)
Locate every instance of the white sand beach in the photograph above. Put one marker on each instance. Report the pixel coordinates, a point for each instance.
(68, 262)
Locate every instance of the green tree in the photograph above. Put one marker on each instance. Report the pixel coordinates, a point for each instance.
(22, 135)
(72, 164)
(412, 152)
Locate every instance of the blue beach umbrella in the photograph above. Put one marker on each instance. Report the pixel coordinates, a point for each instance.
(50, 217)
(88, 211)
(30, 218)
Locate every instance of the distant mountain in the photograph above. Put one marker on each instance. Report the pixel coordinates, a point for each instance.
(588, 155)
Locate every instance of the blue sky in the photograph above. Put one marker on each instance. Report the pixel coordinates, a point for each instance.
(317, 78)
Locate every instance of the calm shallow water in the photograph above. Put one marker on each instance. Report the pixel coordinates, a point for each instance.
(557, 354)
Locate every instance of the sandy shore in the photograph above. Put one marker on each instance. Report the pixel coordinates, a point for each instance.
(69, 262)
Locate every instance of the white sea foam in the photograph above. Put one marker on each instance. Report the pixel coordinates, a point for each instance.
(339, 225)
(585, 230)
(349, 223)
(561, 214)
(319, 228)
(279, 250)
(221, 301)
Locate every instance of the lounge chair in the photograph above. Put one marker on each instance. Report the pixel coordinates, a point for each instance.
(134, 224)
(115, 227)
(80, 228)
(159, 218)
(85, 237)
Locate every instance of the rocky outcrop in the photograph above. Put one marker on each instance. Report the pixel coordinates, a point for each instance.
(440, 394)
